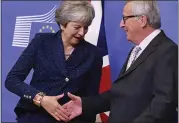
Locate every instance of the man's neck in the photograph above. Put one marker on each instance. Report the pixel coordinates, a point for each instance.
(144, 34)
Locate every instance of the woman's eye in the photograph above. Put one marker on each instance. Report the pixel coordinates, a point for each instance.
(76, 28)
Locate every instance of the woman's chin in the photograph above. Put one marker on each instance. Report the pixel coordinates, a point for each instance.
(75, 42)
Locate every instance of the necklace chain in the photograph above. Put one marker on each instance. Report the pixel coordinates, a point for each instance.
(67, 54)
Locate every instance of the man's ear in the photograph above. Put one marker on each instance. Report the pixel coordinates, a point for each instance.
(143, 21)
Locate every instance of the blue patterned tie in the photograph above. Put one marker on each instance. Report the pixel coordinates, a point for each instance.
(133, 55)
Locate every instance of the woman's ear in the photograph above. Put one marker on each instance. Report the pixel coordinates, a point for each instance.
(62, 27)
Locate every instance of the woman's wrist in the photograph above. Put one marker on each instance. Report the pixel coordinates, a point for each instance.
(38, 98)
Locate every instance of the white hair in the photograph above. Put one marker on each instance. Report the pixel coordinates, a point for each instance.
(148, 8)
(79, 11)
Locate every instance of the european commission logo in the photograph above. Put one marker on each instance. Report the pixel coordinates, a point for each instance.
(27, 26)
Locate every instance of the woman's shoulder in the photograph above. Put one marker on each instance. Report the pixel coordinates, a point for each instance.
(91, 46)
(42, 38)
(93, 49)
(44, 35)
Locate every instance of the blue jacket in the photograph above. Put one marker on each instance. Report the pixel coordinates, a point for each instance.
(54, 75)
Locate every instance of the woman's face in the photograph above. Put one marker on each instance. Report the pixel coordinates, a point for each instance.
(73, 32)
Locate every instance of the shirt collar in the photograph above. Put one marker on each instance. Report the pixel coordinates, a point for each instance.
(149, 38)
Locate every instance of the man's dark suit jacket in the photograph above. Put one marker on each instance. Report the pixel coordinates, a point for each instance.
(147, 91)
(54, 75)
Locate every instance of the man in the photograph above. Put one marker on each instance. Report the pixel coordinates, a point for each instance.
(146, 89)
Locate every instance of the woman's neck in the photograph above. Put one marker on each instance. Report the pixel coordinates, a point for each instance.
(68, 48)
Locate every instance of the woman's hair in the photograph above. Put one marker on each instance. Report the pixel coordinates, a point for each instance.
(76, 11)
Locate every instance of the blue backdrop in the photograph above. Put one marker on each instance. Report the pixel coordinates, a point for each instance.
(118, 46)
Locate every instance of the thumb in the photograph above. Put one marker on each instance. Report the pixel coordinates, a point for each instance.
(59, 96)
(71, 96)
(66, 104)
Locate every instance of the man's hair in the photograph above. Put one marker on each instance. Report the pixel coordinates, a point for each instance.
(148, 8)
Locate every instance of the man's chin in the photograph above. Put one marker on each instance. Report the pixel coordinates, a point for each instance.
(128, 38)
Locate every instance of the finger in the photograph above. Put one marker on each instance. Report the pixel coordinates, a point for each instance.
(62, 110)
(72, 116)
(59, 96)
(65, 106)
(71, 96)
(61, 115)
(55, 116)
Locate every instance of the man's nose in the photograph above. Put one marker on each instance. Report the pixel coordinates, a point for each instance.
(122, 24)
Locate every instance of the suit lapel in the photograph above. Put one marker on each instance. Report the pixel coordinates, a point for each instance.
(55, 50)
(78, 56)
(148, 50)
(123, 70)
(58, 53)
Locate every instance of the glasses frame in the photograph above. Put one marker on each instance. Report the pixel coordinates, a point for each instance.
(124, 18)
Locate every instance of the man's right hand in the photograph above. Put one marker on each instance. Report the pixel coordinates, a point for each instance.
(74, 107)
(51, 105)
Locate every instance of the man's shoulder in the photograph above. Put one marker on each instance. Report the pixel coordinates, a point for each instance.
(168, 43)
(166, 47)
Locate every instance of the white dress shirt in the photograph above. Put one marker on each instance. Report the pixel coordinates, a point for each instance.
(147, 40)
(144, 44)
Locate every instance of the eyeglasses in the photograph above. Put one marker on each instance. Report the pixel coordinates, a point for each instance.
(124, 18)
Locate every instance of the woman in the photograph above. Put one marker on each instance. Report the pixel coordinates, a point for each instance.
(62, 62)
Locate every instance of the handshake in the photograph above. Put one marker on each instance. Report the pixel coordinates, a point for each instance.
(64, 112)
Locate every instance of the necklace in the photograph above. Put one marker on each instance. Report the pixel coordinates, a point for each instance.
(67, 54)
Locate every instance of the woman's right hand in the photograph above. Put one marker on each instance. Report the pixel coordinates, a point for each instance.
(51, 105)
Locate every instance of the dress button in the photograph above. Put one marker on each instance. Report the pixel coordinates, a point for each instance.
(66, 79)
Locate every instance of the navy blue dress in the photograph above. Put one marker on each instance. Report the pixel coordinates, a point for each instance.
(80, 74)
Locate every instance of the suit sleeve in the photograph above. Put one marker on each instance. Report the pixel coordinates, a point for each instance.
(15, 79)
(163, 105)
(96, 104)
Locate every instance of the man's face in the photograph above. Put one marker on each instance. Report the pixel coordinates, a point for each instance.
(130, 23)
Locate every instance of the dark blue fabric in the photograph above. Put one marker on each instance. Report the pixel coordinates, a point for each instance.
(45, 55)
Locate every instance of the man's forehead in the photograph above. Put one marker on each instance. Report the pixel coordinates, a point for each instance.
(127, 8)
